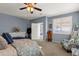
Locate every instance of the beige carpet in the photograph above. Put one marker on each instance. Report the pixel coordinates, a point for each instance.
(53, 49)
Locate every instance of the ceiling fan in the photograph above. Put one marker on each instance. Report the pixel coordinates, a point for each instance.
(30, 7)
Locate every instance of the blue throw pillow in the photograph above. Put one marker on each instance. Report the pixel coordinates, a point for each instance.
(8, 38)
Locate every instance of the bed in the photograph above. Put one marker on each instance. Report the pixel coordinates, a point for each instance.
(20, 47)
(9, 51)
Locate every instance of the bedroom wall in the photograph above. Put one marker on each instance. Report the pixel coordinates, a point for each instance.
(49, 20)
(59, 37)
(7, 22)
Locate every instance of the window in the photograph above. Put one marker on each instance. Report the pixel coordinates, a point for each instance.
(62, 25)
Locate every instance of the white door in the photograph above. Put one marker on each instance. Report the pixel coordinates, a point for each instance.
(37, 32)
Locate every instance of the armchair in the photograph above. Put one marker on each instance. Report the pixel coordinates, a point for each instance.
(68, 44)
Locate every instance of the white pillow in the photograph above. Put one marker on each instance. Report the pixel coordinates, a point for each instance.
(3, 43)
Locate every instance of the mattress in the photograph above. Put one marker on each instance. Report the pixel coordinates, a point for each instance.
(9, 51)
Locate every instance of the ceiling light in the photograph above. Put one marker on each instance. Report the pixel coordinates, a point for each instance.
(30, 9)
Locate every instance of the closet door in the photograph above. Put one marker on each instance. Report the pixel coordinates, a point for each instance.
(37, 31)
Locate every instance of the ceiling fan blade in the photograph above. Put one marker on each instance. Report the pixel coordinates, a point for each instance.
(37, 8)
(23, 8)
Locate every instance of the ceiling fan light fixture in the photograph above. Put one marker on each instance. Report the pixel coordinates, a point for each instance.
(30, 9)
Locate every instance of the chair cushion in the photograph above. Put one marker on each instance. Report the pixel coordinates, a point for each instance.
(3, 43)
(8, 38)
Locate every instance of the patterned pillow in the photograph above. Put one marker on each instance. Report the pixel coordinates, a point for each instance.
(3, 43)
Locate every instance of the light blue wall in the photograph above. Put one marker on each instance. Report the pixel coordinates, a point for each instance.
(75, 20)
(7, 22)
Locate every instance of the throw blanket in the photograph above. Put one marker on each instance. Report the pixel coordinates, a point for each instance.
(26, 47)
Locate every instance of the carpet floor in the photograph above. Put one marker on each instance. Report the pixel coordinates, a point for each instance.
(53, 49)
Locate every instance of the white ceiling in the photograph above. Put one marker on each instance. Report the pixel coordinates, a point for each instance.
(48, 9)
